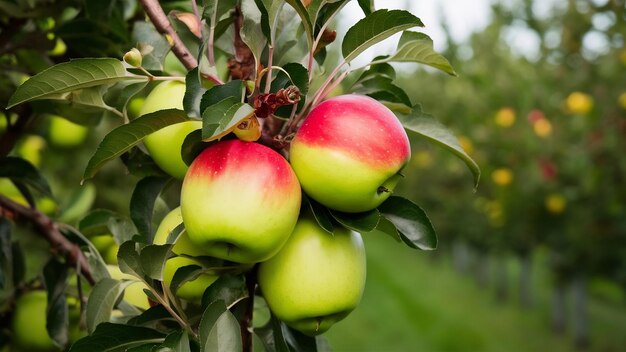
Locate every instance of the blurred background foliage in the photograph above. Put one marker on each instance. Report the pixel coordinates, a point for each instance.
(533, 259)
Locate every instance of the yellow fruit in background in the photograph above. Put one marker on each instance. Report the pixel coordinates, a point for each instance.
(466, 144)
(134, 292)
(59, 48)
(64, 133)
(542, 128)
(502, 176)
(31, 148)
(29, 323)
(579, 103)
(622, 100)
(505, 117)
(555, 203)
(422, 159)
(190, 290)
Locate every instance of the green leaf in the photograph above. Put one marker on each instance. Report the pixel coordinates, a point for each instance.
(102, 300)
(68, 76)
(193, 93)
(381, 88)
(367, 6)
(322, 215)
(413, 225)
(142, 204)
(418, 47)
(234, 88)
(152, 260)
(55, 276)
(126, 136)
(18, 169)
(306, 20)
(388, 228)
(219, 330)
(140, 164)
(95, 223)
(177, 341)
(153, 314)
(185, 274)
(152, 45)
(374, 28)
(193, 146)
(298, 340)
(359, 222)
(427, 126)
(228, 288)
(270, 9)
(128, 259)
(271, 335)
(296, 75)
(219, 119)
(110, 337)
(252, 31)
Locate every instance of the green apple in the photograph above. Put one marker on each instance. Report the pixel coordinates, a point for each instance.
(64, 133)
(30, 148)
(165, 144)
(183, 245)
(316, 279)
(107, 247)
(134, 107)
(190, 290)
(240, 201)
(134, 292)
(29, 323)
(349, 152)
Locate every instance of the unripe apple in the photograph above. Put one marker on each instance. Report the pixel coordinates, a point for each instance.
(165, 144)
(316, 279)
(349, 152)
(107, 247)
(134, 292)
(190, 290)
(29, 323)
(183, 245)
(64, 133)
(240, 201)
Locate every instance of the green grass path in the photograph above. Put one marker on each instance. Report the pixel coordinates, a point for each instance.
(413, 304)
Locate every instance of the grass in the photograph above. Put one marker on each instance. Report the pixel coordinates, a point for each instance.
(412, 303)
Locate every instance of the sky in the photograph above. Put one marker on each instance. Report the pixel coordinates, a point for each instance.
(462, 16)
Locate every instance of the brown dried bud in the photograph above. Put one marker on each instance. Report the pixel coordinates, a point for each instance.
(266, 104)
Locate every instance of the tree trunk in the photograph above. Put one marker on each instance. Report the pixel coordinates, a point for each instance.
(525, 278)
(502, 279)
(580, 323)
(558, 307)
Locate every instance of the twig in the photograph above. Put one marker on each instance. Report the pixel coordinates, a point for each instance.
(162, 24)
(50, 231)
(14, 131)
(246, 322)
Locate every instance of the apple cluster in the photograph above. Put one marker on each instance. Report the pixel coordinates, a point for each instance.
(242, 202)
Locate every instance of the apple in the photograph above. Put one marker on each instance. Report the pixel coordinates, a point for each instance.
(183, 245)
(64, 133)
(31, 148)
(134, 292)
(107, 247)
(349, 152)
(316, 279)
(240, 201)
(165, 144)
(29, 323)
(190, 290)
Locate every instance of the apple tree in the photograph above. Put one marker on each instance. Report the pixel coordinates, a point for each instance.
(247, 185)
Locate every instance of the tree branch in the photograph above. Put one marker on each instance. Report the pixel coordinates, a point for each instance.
(50, 231)
(158, 17)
